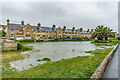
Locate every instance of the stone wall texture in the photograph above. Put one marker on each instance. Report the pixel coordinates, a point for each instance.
(9, 45)
(97, 75)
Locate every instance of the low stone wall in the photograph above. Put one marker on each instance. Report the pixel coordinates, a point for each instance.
(9, 45)
(97, 75)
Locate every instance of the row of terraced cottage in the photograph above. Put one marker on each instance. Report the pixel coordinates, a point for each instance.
(22, 31)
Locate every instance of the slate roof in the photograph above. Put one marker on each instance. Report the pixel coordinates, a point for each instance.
(42, 28)
(85, 31)
(69, 30)
(15, 26)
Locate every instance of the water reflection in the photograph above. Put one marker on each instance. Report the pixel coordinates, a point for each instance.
(55, 51)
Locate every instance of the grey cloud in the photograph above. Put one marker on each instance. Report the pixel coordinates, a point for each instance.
(81, 14)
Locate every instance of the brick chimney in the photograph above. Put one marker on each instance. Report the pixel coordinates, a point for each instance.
(88, 30)
(53, 27)
(81, 29)
(22, 22)
(91, 29)
(64, 28)
(39, 24)
(73, 28)
(8, 21)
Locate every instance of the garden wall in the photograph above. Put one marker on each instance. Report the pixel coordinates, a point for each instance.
(9, 45)
(97, 75)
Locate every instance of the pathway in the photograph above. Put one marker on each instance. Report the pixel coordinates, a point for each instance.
(112, 71)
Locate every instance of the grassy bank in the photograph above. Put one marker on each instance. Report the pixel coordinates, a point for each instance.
(114, 42)
(78, 67)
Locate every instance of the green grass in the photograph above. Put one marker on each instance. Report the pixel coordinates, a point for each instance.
(77, 67)
(114, 42)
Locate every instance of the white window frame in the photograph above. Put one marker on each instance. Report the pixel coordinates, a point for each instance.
(28, 31)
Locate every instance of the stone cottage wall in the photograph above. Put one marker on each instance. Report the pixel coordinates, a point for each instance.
(9, 45)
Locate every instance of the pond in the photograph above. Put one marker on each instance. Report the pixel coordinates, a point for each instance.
(54, 51)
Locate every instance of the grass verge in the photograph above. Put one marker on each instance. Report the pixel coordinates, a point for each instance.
(77, 67)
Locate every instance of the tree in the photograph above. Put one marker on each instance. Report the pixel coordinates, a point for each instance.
(3, 33)
(102, 32)
(107, 33)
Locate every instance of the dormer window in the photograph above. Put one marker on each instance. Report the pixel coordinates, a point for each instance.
(28, 31)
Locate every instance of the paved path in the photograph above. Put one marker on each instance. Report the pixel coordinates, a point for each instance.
(112, 71)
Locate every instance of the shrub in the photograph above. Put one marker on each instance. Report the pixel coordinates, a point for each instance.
(26, 40)
(118, 38)
(19, 46)
(39, 40)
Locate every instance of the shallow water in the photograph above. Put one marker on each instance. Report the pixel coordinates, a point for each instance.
(55, 51)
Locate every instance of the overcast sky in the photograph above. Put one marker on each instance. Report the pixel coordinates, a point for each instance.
(79, 14)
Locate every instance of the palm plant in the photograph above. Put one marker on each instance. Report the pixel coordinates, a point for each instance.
(98, 32)
(107, 32)
(102, 32)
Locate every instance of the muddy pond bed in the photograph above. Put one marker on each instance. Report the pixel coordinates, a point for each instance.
(53, 51)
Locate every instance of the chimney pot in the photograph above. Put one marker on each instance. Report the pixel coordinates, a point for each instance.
(91, 29)
(8, 21)
(22, 22)
(88, 30)
(39, 24)
(81, 29)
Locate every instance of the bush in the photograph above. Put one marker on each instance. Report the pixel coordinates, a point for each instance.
(39, 40)
(26, 40)
(19, 46)
(118, 38)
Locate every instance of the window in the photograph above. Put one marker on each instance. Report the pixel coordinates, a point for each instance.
(59, 32)
(27, 35)
(11, 36)
(20, 36)
(28, 31)
(44, 36)
(38, 36)
(11, 31)
(34, 36)
(33, 32)
(20, 31)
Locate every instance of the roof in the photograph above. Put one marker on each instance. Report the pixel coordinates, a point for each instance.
(15, 26)
(42, 28)
(84, 31)
(70, 30)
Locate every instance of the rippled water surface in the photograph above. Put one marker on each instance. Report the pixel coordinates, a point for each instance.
(55, 51)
